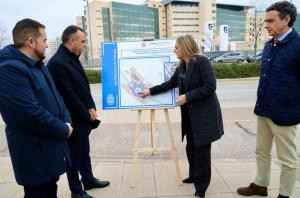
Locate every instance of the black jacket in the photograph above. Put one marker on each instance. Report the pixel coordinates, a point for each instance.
(202, 103)
(72, 83)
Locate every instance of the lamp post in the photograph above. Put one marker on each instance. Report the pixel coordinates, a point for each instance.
(90, 34)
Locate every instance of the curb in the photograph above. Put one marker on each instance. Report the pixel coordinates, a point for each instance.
(219, 80)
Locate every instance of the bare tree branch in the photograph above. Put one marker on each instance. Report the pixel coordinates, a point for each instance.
(257, 28)
(3, 36)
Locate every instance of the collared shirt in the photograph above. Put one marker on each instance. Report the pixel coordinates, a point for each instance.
(285, 35)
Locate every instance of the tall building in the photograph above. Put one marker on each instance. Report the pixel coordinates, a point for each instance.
(162, 17)
(181, 17)
(130, 22)
(53, 46)
(113, 21)
(80, 21)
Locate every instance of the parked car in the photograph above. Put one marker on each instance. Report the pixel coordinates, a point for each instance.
(257, 57)
(231, 57)
(211, 58)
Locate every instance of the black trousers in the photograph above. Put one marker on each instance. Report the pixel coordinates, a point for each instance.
(80, 163)
(199, 158)
(46, 190)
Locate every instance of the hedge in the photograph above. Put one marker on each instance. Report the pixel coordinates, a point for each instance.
(236, 70)
(94, 76)
(222, 71)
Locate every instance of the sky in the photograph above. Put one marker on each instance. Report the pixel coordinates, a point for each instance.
(58, 14)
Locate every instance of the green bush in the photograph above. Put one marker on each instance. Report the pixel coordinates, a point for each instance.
(222, 71)
(94, 76)
(236, 70)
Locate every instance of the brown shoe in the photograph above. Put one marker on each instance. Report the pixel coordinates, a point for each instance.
(253, 189)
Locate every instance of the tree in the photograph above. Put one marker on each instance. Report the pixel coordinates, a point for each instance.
(257, 29)
(212, 42)
(3, 37)
(116, 31)
(257, 22)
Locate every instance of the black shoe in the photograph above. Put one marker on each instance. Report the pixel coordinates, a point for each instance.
(96, 184)
(81, 194)
(198, 195)
(188, 180)
(281, 196)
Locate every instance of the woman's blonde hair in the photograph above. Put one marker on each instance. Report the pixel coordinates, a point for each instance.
(188, 46)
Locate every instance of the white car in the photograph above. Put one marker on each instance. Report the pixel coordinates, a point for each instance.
(231, 57)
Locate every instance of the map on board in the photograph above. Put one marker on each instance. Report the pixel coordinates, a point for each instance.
(130, 67)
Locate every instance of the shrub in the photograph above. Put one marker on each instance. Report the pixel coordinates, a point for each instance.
(94, 76)
(222, 71)
(236, 70)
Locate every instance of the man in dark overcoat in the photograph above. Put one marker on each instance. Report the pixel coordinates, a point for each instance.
(72, 83)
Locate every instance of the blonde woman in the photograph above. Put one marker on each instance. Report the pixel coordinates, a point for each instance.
(200, 110)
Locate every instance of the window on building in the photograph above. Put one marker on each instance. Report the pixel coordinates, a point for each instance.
(132, 22)
(186, 12)
(186, 25)
(235, 18)
(185, 18)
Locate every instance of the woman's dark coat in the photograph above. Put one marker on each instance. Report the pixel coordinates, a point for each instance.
(202, 103)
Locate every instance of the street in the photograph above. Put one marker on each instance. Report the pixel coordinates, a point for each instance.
(114, 138)
(231, 93)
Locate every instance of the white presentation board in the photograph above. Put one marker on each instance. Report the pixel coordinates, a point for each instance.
(129, 67)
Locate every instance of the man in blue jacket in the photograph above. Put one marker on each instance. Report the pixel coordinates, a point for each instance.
(278, 102)
(37, 121)
(72, 83)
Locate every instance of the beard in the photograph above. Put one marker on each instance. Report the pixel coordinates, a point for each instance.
(41, 56)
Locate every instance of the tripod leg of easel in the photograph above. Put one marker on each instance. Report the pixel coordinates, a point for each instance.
(153, 132)
(136, 148)
(173, 147)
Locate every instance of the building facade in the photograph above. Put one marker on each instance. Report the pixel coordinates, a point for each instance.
(113, 21)
(53, 45)
(130, 22)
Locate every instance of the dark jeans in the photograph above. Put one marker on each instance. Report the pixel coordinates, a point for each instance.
(80, 163)
(199, 158)
(46, 190)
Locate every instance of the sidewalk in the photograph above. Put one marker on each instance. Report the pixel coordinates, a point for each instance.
(233, 163)
(155, 179)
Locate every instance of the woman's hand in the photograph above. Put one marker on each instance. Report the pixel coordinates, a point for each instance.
(181, 100)
(144, 93)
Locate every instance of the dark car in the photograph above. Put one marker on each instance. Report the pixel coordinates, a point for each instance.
(257, 57)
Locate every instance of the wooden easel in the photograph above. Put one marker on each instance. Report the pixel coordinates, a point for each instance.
(153, 149)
